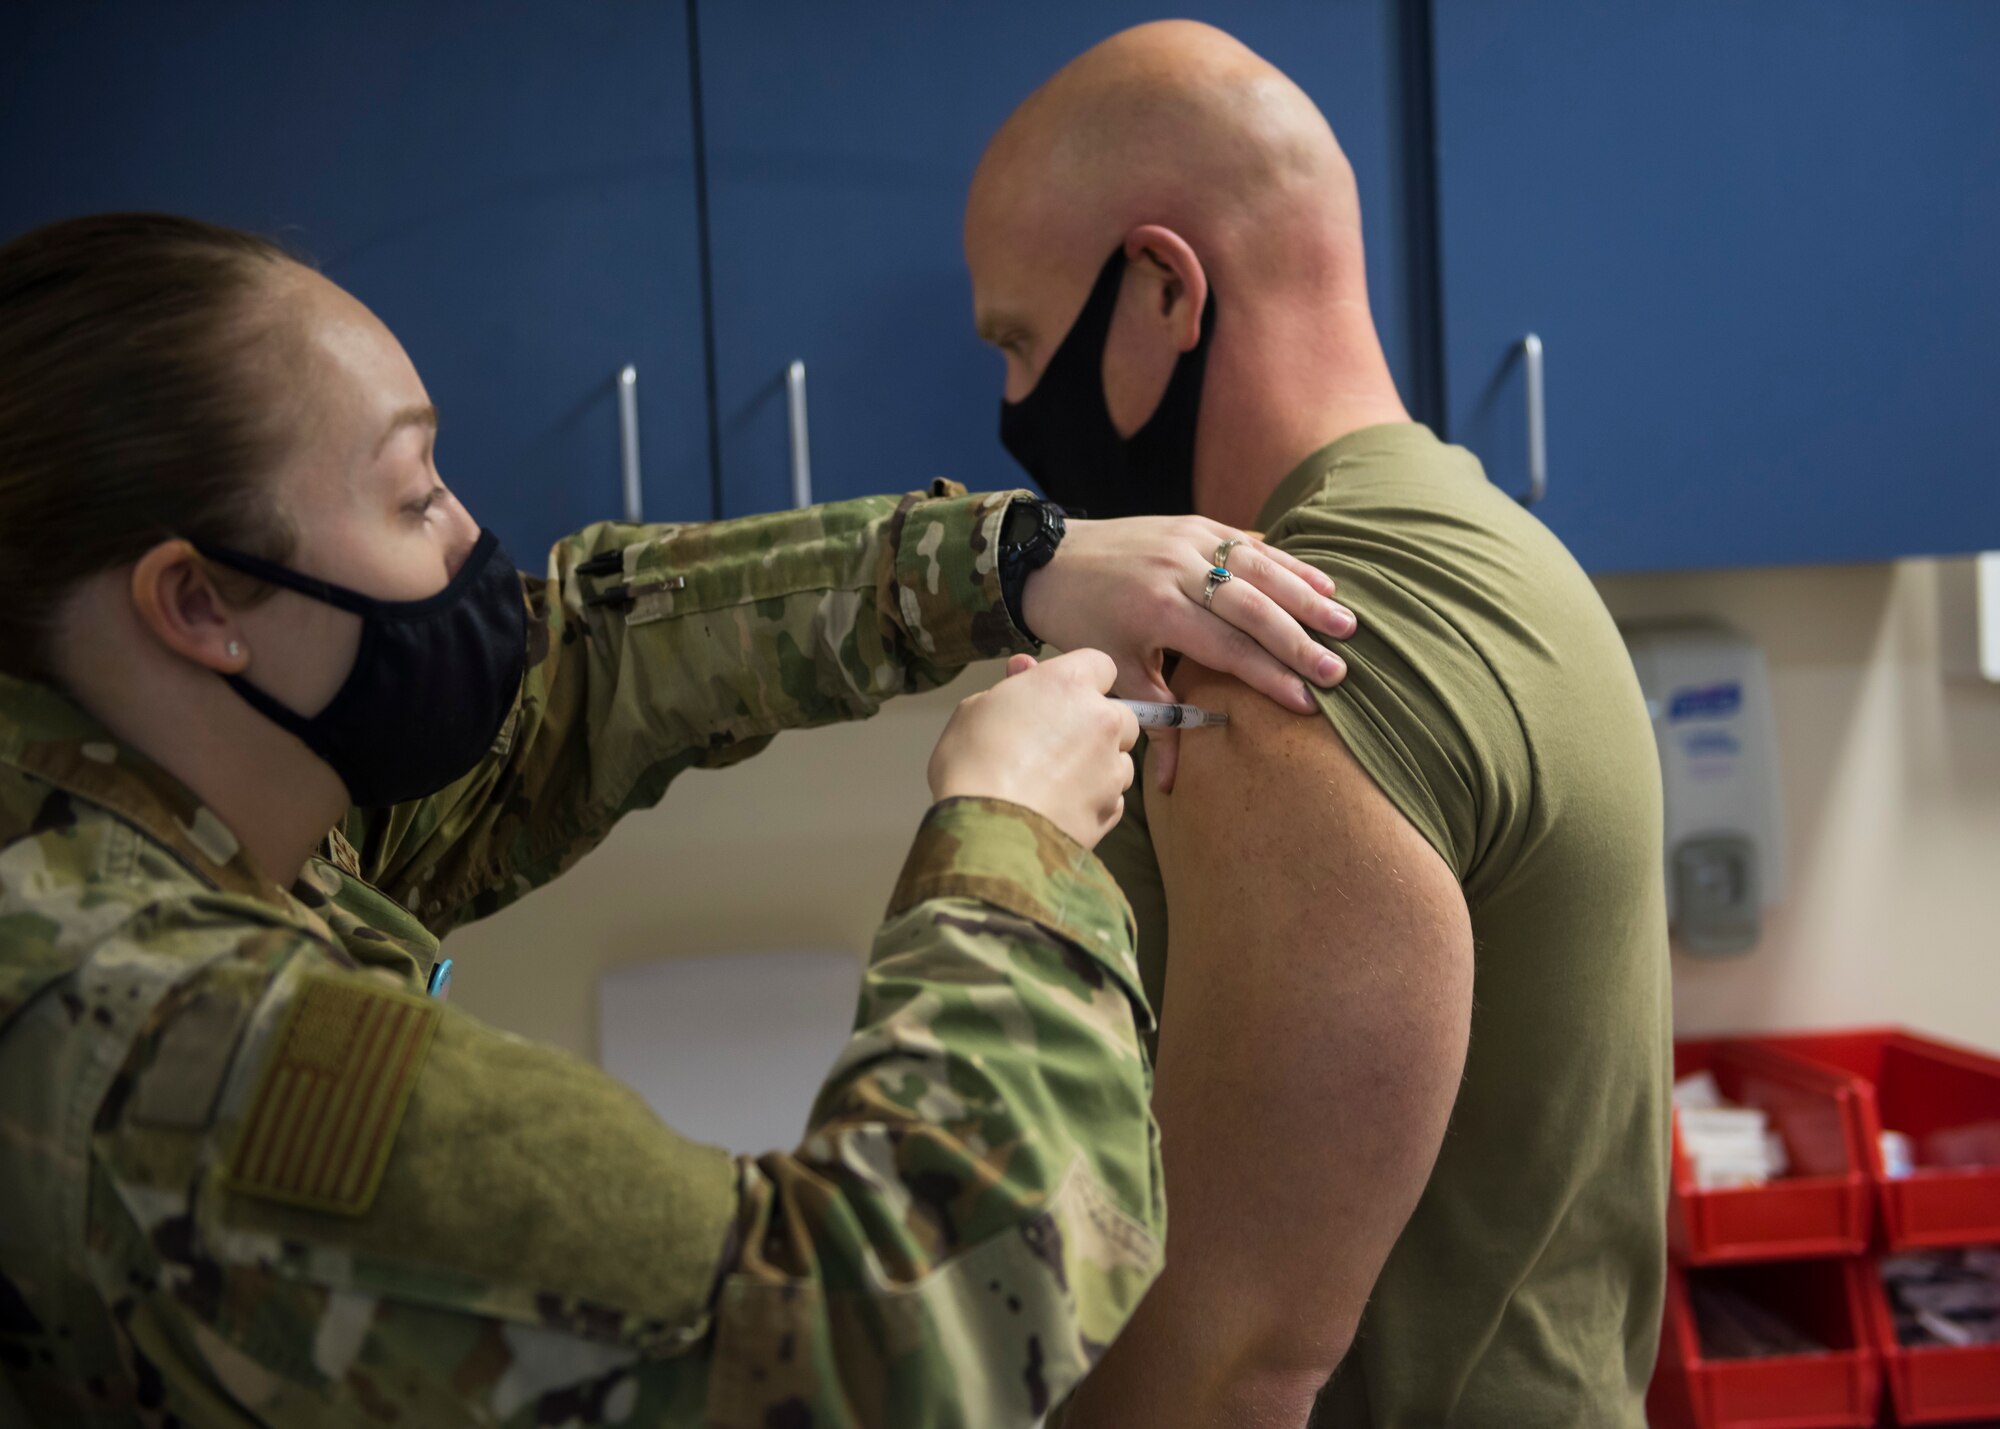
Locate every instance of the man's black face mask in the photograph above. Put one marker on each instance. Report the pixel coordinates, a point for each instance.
(1062, 432)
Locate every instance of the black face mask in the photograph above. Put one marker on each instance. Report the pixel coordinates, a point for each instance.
(433, 679)
(1062, 432)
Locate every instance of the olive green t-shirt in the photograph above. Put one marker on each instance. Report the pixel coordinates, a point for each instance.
(1489, 696)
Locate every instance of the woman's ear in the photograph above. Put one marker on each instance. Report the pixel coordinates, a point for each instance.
(174, 593)
(1183, 281)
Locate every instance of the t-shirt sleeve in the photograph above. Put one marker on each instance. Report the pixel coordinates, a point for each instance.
(1422, 708)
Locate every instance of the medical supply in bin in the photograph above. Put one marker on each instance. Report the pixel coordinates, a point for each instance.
(1899, 1158)
(1945, 1297)
(1730, 1145)
(1938, 1372)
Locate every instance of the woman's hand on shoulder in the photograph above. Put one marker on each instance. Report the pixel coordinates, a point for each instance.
(1134, 588)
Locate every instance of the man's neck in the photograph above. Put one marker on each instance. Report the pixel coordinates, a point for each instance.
(1292, 394)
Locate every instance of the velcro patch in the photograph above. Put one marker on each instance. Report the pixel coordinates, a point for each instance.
(333, 1093)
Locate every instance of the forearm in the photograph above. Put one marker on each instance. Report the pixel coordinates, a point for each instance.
(982, 1147)
(658, 649)
(866, 599)
(741, 629)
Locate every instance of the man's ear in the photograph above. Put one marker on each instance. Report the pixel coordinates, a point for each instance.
(174, 593)
(1183, 281)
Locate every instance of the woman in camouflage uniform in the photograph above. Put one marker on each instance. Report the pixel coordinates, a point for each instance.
(275, 717)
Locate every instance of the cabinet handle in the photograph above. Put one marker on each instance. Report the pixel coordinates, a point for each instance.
(628, 442)
(795, 407)
(1538, 422)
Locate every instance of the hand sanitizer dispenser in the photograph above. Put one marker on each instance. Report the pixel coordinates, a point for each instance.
(1710, 700)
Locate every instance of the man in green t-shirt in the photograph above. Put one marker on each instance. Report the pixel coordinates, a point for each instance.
(1411, 956)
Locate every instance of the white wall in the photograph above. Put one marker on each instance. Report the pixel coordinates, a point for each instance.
(1892, 792)
(1892, 800)
(732, 1049)
(797, 848)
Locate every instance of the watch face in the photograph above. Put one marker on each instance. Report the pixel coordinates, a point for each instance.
(1023, 521)
(1031, 532)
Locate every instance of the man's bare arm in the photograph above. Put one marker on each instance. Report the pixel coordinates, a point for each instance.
(1319, 992)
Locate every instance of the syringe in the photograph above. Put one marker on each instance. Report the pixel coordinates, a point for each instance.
(1160, 716)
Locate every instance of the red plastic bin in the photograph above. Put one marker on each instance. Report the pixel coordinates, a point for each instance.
(1824, 1208)
(1918, 1086)
(1838, 1389)
(1932, 1384)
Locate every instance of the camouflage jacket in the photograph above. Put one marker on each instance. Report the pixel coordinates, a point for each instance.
(249, 1174)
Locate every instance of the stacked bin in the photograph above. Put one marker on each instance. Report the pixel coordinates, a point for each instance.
(1806, 1246)
(1792, 1246)
(1919, 1086)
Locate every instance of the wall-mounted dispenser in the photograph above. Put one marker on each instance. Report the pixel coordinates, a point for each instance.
(1709, 696)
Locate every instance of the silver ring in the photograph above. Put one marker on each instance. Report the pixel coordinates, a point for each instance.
(1218, 575)
(1221, 561)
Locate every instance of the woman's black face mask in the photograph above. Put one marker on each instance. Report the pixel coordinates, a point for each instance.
(1062, 432)
(433, 679)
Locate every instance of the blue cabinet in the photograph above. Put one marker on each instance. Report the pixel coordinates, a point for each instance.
(1761, 246)
(509, 186)
(840, 142)
(1756, 241)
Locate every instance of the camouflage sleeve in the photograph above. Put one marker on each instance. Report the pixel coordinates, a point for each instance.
(394, 1214)
(655, 649)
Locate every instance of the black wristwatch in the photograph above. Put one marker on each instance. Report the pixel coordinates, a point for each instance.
(1029, 535)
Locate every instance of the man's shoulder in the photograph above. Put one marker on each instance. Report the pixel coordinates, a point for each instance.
(1478, 636)
(1398, 498)
(1457, 577)
(1486, 662)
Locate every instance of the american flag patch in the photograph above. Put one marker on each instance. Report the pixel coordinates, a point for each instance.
(319, 1130)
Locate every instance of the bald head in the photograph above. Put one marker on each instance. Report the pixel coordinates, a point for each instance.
(1172, 123)
(1216, 173)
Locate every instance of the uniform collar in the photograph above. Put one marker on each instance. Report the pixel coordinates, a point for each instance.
(1310, 475)
(45, 734)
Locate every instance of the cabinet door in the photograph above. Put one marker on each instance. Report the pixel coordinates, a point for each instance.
(1761, 246)
(509, 186)
(841, 139)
